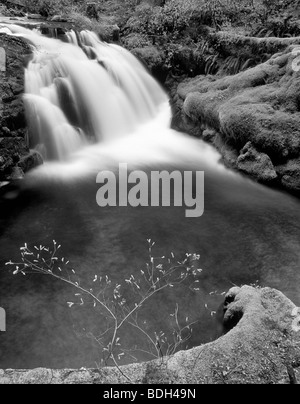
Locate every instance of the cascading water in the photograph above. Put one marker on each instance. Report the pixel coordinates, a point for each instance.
(84, 91)
(89, 102)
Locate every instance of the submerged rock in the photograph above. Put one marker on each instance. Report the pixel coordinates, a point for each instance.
(261, 346)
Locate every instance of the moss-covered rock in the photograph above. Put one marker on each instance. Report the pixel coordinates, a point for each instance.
(260, 105)
(154, 60)
(290, 174)
(257, 165)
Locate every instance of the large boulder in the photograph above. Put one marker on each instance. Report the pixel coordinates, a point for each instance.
(260, 105)
(261, 346)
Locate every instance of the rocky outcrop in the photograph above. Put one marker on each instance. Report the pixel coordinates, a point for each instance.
(13, 144)
(262, 346)
(257, 165)
(260, 105)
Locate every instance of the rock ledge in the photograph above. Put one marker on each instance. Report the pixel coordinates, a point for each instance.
(262, 347)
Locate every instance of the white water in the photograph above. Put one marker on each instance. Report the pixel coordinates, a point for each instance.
(92, 105)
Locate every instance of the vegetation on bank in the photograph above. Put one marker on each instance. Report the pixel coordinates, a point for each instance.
(174, 17)
(177, 18)
(187, 33)
(174, 36)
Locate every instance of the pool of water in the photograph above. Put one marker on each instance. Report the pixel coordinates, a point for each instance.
(248, 233)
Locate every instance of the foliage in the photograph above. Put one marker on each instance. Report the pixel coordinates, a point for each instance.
(280, 27)
(182, 24)
(114, 309)
(177, 18)
(46, 7)
(136, 40)
(3, 9)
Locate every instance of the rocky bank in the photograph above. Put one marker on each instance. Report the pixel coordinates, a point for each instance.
(14, 153)
(262, 346)
(251, 117)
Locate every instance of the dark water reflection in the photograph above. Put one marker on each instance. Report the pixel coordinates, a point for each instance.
(247, 234)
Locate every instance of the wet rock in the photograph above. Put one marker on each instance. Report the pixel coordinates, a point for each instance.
(16, 174)
(14, 145)
(4, 183)
(257, 165)
(35, 17)
(30, 161)
(209, 135)
(54, 30)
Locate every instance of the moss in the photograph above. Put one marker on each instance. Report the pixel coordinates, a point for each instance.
(258, 105)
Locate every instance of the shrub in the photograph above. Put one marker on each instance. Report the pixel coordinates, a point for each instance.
(135, 40)
(170, 20)
(46, 7)
(276, 18)
(114, 309)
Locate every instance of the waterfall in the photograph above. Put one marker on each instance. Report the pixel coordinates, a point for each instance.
(88, 93)
(88, 102)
